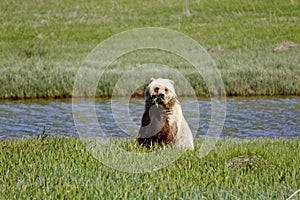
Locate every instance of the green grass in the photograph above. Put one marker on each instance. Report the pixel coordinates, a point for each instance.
(43, 43)
(61, 168)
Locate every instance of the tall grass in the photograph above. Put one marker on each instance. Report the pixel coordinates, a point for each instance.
(61, 168)
(44, 42)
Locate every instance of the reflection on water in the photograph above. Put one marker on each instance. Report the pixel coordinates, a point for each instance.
(246, 117)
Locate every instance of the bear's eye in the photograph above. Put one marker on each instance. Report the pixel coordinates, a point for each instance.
(156, 89)
(166, 90)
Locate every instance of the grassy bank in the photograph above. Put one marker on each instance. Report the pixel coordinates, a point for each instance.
(255, 44)
(59, 168)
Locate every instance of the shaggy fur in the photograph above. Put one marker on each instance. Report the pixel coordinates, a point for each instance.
(162, 121)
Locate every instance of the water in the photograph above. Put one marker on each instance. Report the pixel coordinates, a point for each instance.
(246, 117)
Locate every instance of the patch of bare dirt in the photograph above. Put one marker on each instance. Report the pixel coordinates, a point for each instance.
(285, 46)
(240, 160)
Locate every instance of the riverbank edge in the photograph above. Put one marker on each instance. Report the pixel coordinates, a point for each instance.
(67, 97)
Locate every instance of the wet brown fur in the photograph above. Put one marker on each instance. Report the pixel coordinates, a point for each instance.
(157, 120)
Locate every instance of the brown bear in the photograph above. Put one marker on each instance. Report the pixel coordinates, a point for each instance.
(162, 121)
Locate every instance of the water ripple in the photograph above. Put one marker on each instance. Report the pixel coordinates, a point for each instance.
(246, 117)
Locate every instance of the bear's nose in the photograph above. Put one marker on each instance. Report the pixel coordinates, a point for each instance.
(161, 95)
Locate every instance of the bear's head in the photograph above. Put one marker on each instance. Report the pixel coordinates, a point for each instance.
(160, 91)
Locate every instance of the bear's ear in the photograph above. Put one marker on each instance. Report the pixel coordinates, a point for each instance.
(151, 80)
(172, 82)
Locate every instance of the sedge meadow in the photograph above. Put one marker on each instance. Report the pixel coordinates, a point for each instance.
(254, 44)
